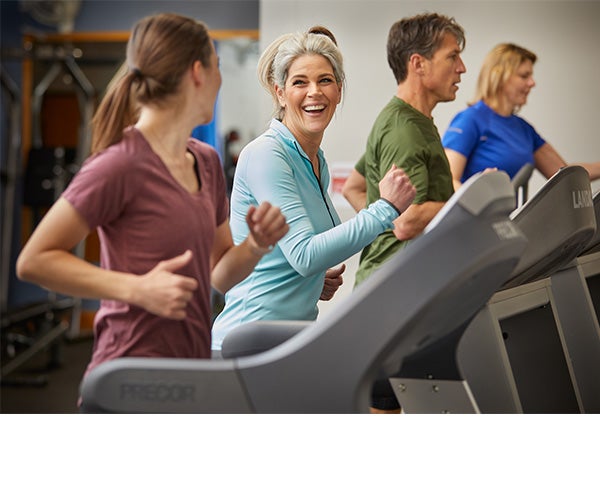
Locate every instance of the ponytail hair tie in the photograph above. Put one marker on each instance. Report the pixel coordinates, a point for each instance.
(137, 73)
(322, 30)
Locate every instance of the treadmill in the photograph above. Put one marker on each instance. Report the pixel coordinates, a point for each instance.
(589, 261)
(416, 300)
(576, 296)
(530, 349)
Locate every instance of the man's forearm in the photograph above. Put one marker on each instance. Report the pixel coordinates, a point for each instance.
(413, 221)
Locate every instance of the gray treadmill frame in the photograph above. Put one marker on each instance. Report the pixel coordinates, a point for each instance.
(482, 355)
(329, 367)
(561, 286)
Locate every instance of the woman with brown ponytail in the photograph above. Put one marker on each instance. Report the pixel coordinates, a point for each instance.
(158, 201)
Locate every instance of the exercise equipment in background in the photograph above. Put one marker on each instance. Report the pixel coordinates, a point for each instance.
(523, 351)
(520, 182)
(38, 326)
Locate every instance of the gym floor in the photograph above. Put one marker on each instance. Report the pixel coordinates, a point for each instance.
(39, 388)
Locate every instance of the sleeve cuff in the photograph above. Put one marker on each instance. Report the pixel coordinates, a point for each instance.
(392, 205)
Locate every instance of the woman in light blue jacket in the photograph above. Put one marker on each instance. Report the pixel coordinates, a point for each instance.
(304, 74)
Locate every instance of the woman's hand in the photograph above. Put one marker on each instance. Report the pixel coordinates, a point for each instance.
(396, 188)
(333, 280)
(267, 226)
(162, 291)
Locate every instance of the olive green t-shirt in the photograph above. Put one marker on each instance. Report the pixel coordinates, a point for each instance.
(403, 136)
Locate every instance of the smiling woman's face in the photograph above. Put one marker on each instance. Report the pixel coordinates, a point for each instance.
(516, 89)
(310, 96)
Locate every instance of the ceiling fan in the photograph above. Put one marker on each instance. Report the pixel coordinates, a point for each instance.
(58, 13)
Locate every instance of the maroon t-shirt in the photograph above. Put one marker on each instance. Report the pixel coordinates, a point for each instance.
(143, 216)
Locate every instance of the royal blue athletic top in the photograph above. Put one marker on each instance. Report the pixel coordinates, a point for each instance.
(488, 139)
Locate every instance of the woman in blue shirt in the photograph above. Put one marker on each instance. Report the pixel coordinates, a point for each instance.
(489, 133)
(304, 74)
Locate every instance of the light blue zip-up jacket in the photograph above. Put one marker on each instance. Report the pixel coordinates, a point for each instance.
(287, 283)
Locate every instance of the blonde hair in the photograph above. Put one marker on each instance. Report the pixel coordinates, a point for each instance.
(275, 61)
(499, 65)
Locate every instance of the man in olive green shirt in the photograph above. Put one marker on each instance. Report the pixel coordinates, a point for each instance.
(424, 54)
